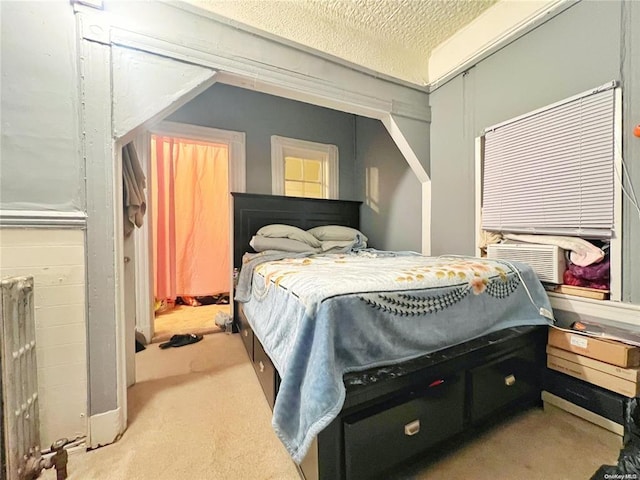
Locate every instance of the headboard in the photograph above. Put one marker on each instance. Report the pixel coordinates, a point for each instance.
(253, 211)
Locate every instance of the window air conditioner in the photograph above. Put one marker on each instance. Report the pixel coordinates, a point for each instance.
(548, 261)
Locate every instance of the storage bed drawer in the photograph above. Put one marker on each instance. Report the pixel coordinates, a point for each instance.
(245, 331)
(266, 373)
(504, 381)
(375, 443)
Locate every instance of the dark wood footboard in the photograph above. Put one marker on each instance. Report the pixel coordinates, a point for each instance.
(394, 414)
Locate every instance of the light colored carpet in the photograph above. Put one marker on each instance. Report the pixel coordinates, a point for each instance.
(198, 413)
(187, 319)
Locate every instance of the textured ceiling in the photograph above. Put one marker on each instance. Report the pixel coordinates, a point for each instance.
(394, 37)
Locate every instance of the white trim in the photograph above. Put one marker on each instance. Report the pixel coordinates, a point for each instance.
(328, 152)
(419, 171)
(500, 25)
(615, 245)
(121, 323)
(426, 218)
(104, 428)
(42, 219)
(478, 153)
(143, 246)
(602, 309)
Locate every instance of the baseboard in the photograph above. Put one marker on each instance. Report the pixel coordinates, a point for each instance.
(105, 428)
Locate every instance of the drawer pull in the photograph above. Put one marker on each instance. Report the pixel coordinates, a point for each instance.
(246, 333)
(261, 366)
(412, 428)
(509, 380)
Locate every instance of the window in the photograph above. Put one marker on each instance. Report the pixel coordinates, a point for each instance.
(555, 171)
(552, 171)
(304, 169)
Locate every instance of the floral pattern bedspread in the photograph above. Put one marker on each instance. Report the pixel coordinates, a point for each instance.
(320, 316)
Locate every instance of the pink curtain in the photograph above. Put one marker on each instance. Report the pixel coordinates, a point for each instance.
(190, 198)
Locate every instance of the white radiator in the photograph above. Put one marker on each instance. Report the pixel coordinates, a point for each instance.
(547, 261)
(19, 378)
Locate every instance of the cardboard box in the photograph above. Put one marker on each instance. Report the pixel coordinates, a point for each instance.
(608, 351)
(610, 382)
(631, 374)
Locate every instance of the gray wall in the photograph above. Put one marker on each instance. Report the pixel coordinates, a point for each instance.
(391, 215)
(362, 143)
(578, 49)
(41, 167)
(260, 115)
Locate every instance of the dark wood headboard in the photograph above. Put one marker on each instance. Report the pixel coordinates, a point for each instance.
(253, 211)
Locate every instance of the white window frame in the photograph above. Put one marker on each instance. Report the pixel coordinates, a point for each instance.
(282, 147)
(612, 309)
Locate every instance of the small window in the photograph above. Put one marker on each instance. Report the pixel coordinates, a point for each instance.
(304, 169)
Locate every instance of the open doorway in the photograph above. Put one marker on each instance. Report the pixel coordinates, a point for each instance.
(190, 233)
(183, 258)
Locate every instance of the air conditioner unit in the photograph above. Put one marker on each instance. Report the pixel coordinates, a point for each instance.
(548, 261)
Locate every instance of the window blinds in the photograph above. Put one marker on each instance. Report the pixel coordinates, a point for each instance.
(552, 171)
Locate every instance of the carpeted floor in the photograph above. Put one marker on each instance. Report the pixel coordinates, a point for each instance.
(198, 413)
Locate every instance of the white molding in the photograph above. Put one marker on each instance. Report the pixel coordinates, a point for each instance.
(417, 168)
(426, 218)
(313, 78)
(104, 428)
(478, 154)
(475, 42)
(119, 280)
(603, 309)
(144, 251)
(324, 152)
(42, 219)
(615, 245)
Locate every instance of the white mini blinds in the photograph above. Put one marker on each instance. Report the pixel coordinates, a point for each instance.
(552, 171)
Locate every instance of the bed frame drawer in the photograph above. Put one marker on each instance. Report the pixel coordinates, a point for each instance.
(504, 381)
(266, 372)
(245, 331)
(376, 443)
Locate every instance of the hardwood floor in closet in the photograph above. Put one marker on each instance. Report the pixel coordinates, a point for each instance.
(187, 319)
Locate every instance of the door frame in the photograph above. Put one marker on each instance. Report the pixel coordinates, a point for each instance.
(236, 141)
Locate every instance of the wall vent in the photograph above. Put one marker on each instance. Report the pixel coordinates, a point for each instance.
(548, 261)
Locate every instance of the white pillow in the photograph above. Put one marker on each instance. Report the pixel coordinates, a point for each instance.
(262, 244)
(336, 233)
(278, 230)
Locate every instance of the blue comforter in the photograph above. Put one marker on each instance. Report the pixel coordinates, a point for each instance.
(320, 316)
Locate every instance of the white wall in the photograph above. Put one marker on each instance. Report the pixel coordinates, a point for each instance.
(56, 260)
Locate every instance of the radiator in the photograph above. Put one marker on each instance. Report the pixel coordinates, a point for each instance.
(21, 435)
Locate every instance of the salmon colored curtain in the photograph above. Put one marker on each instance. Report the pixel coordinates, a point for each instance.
(190, 198)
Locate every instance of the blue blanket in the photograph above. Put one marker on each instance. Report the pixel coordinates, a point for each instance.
(320, 316)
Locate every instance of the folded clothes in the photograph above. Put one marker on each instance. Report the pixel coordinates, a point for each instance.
(596, 272)
(570, 279)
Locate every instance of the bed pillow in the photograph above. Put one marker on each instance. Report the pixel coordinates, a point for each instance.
(278, 230)
(336, 233)
(262, 244)
(336, 245)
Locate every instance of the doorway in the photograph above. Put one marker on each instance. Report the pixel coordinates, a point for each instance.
(183, 258)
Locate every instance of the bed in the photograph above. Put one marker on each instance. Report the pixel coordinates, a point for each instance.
(333, 398)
